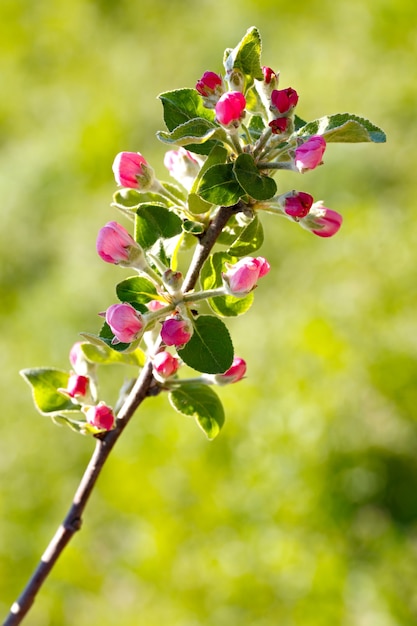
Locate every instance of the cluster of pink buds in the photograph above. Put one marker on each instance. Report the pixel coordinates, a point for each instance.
(282, 105)
(242, 277)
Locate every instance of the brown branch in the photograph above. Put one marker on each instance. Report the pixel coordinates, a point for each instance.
(105, 443)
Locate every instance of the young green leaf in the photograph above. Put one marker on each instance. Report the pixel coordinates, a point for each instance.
(155, 222)
(249, 240)
(45, 383)
(182, 105)
(103, 355)
(219, 186)
(136, 290)
(344, 128)
(210, 348)
(201, 402)
(195, 131)
(246, 57)
(256, 185)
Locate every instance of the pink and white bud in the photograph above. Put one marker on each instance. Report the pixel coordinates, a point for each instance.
(155, 305)
(176, 331)
(165, 365)
(101, 416)
(77, 358)
(298, 203)
(115, 245)
(77, 386)
(241, 278)
(182, 166)
(270, 77)
(235, 372)
(322, 221)
(132, 170)
(210, 84)
(283, 101)
(310, 154)
(126, 323)
(230, 109)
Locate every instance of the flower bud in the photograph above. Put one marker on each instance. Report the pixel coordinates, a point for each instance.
(77, 386)
(78, 360)
(126, 323)
(322, 221)
(210, 83)
(297, 203)
(283, 101)
(132, 170)
(101, 416)
(241, 278)
(182, 166)
(280, 125)
(165, 365)
(310, 154)
(235, 372)
(270, 77)
(176, 331)
(230, 109)
(115, 245)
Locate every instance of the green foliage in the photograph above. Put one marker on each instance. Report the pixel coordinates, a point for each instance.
(210, 348)
(155, 222)
(344, 127)
(256, 185)
(202, 403)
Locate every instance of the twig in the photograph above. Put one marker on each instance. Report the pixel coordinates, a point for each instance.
(105, 443)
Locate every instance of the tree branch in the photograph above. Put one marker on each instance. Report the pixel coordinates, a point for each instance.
(105, 442)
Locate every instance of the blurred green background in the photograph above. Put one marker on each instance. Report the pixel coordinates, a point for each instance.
(304, 511)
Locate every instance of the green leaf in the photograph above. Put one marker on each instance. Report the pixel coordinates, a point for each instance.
(155, 222)
(249, 240)
(131, 198)
(103, 355)
(196, 204)
(193, 228)
(182, 105)
(246, 56)
(229, 306)
(196, 131)
(256, 127)
(136, 290)
(199, 401)
(343, 127)
(256, 185)
(219, 186)
(45, 383)
(210, 348)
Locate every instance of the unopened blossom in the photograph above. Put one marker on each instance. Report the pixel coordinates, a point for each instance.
(176, 331)
(132, 170)
(235, 372)
(269, 75)
(230, 108)
(115, 245)
(126, 323)
(280, 125)
(182, 166)
(78, 360)
(165, 364)
(284, 100)
(322, 221)
(77, 386)
(240, 279)
(310, 154)
(101, 416)
(210, 83)
(298, 203)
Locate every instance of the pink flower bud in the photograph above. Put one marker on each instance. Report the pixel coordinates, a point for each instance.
(269, 74)
(280, 125)
(235, 372)
(114, 244)
(164, 364)
(132, 170)
(310, 154)
(209, 84)
(182, 166)
(77, 386)
(298, 203)
(155, 305)
(241, 278)
(230, 108)
(77, 359)
(101, 416)
(176, 332)
(322, 221)
(125, 321)
(284, 100)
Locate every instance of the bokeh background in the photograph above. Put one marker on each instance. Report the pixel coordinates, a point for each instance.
(304, 511)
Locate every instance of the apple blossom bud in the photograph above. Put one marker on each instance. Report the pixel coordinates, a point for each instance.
(310, 154)
(269, 75)
(209, 84)
(280, 125)
(101, 416)
(78, 360)
(176, 331)
(132, 170)
(297, 203)
(126, 323)
(241, 278)
(182, 166)
(322, 221)
(165, 365)
(115, 245)
(284, 101)
(235, 372)
(230, 109)
(77, 386)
